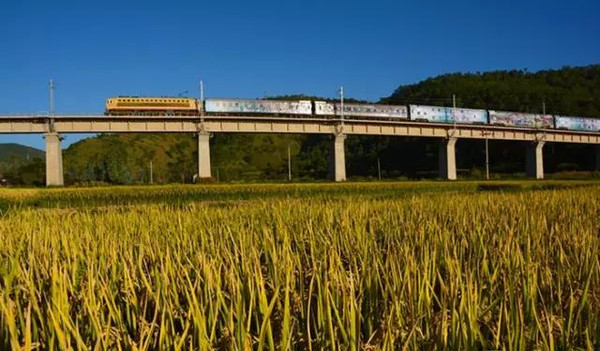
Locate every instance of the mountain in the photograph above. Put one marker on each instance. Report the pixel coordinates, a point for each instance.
(21, 152)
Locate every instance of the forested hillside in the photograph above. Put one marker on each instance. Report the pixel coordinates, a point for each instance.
(568, 91)
(23, 165)
(571, 91)
(234, 157)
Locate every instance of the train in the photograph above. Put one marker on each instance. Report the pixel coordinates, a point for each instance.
(185, 106)
(152, 106)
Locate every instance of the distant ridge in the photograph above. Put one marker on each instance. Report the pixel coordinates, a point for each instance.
(21, 152)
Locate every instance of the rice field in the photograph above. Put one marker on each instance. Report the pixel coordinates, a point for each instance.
(357, 266)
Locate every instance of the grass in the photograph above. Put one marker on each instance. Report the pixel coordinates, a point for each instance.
(511, 265)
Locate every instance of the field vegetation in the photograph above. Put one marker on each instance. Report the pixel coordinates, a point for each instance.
(505, 265)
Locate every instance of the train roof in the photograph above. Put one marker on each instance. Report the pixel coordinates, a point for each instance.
(148, 97)
(255, 100)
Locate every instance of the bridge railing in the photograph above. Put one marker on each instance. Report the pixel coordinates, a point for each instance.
(46, 114)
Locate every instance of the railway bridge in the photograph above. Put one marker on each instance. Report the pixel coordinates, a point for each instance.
(448, 134)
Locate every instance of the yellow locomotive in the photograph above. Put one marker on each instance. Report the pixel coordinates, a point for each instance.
(152, 106)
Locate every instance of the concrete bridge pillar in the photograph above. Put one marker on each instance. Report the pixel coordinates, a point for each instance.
(447, 158)
(337, 163)
(54, 165)
(203, 155)
(534, 161)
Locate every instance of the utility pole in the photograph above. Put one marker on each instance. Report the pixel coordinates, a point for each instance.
(487, 156)
(342, 103)
(201, 104)
(378, 169)
(201, 91)
(544, 107)
(51, 98)
(289, 164)
(487, 159)
(151, 175)
(453, 116)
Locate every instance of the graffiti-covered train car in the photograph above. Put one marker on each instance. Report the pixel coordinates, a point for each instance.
(577, 123)
(281, 107)
(447, 114)
(519, 119)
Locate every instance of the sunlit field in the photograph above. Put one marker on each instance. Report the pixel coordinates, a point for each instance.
(390, 266)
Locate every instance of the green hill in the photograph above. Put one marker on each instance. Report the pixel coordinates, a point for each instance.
(22, 165)
(567, 91)
(21, 152)
(571, 91)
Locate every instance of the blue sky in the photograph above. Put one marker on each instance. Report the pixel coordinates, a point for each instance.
(96, 49)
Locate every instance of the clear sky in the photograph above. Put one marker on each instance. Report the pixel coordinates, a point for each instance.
(96, 49)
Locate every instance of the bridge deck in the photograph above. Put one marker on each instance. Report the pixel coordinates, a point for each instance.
(245, 124)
